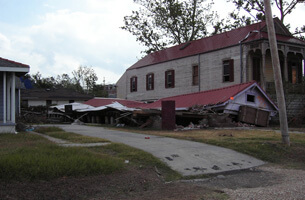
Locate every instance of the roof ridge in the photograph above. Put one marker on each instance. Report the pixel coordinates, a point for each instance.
(225, 32)
(156, 57)
(14, 62)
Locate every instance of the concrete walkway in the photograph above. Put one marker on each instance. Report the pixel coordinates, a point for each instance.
(66, 143)
(186, 157)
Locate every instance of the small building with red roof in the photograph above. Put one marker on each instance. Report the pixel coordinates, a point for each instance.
(228, 99)
(237, 56)
(10, 93)
(246, 102)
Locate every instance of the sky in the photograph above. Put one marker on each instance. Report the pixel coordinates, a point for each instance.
(57, 36)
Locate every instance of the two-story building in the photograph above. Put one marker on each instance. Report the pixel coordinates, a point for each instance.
(237, 56)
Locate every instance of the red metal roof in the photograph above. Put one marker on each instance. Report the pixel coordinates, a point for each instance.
(212, 43)
(96, 102)
(209, 97)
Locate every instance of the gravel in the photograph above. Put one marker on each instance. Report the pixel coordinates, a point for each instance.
(278, 184)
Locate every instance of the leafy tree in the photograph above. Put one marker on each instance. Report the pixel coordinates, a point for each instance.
(256, 12)
(99, 91)
(41, 82)
(65, 81)
(160, 23)
(85, 77)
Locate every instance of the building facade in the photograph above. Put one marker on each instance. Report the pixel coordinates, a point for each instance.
(225, 59)
(9, 93)
(48, 97)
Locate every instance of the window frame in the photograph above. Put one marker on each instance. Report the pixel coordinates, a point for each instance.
(150, 81)
(170, 81)
(229, 75)
(195, 75)
(133, 84)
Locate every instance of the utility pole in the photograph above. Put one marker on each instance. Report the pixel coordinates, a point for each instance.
(277, 73)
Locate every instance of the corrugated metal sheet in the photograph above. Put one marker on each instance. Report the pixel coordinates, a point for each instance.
(75, 106)
(97, 102)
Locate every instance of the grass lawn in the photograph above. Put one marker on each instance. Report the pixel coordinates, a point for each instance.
(71, 137)
(262, 144)
(31, 157)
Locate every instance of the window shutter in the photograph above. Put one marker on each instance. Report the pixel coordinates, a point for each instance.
(166, 79)
(152, 82)
(173, 78)
(231, 70)
(136, 84)
(147, 88)
(130, 84)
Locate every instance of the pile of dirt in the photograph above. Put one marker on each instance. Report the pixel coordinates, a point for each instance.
(141, 184)
(129, 184)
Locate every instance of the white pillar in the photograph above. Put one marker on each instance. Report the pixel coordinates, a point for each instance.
(4, 97)
(8, 97)
(13, 98)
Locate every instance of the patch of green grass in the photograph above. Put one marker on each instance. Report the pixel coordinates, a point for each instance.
(44, 160)
(30, 157)
(47, 129)
(72, 137)
(139, 158)
(216, 194)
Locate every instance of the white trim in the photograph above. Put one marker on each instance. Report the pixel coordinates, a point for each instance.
(13, 98)
(19, 102)
(8, 97)
(14, 69)
(262, 92)
(4, 97)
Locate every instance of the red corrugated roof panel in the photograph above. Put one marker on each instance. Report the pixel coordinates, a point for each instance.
(212, 43)
(209, 97)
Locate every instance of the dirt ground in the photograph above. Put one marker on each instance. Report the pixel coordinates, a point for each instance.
(144, 184)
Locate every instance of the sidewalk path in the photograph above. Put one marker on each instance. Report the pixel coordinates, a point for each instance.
(66, 143)
(186, 157)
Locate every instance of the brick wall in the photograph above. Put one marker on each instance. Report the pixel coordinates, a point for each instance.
(295, 105)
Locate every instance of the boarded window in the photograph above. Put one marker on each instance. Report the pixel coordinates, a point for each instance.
(228, 70)
(133, 84)
(195, 75)
(150, 81)
(170, 79)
